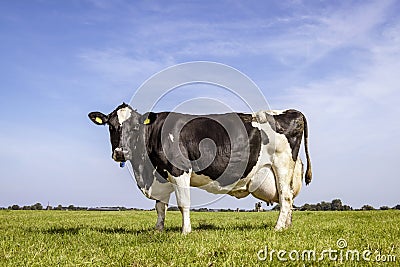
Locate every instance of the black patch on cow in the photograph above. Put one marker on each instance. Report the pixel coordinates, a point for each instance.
(231, 161)
(291, 124)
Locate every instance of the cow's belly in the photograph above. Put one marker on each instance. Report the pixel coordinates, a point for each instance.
(260, 184)
(239, 189)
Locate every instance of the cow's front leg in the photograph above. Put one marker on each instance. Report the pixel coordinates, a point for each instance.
(161, 208)
(160, 192)
(182, 192)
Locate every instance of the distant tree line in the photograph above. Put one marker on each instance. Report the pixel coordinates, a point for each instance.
(335, 205)
(39, 206)
(36, 206)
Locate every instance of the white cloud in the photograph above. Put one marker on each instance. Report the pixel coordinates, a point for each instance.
(299, 39)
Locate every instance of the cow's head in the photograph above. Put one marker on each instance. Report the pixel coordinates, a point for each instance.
(123, 124)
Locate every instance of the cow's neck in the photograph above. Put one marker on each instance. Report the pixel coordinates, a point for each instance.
(140, 161)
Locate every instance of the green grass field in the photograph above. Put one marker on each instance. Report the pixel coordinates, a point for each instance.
(69, 238)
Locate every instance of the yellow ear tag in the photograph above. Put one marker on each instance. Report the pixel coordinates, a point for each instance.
(146, 121)
(98, 120)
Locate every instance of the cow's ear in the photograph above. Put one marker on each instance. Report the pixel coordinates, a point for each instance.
(98, 118)
(148, 118)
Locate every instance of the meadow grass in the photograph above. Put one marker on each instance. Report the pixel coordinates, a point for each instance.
(127, 238)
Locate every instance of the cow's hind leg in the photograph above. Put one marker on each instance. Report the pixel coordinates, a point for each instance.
(288, 222)
(283, 169)
(286, 203)
(295, 188)
(182, 192)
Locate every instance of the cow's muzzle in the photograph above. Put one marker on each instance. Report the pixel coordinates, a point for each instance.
(121, 154)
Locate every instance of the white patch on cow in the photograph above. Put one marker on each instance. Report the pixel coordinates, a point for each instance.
(171, 137)
(159, 191)
(262, 115)
(276, 112)
(123, 114)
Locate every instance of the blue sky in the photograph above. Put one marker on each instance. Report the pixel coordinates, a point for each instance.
(336, 61)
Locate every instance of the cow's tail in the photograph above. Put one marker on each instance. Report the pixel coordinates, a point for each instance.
(308, 176)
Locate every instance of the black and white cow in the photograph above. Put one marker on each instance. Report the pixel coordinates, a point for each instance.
(233, 153)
